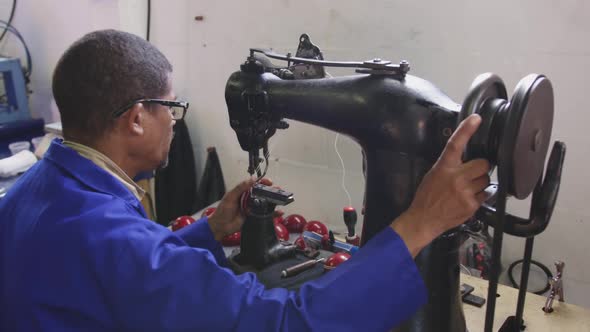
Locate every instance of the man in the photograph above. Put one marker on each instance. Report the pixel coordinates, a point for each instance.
(78, 254)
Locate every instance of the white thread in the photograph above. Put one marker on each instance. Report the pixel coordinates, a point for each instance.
(343, 169)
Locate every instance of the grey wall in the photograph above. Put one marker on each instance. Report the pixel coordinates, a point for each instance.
(448, 43)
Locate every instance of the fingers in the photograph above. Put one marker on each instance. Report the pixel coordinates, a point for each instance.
(235, 193)
(266, 181)
(479, 184)
(474, 169)
(453, 151)
(481, 197)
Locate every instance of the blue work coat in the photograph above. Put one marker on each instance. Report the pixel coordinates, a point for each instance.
(77, 253)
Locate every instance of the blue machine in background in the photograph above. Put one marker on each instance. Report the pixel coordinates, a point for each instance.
(13, 104)
(16, 123)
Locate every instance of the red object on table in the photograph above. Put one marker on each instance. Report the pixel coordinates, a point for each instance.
(316, 227)
(355, 240)
(181, 222)
(208, 211)
(232, 239)
(282, 232)
(295, 223)
(300, 242)
(336, 259)
(278, 220)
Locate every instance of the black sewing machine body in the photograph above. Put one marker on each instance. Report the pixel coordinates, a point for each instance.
(402, 125)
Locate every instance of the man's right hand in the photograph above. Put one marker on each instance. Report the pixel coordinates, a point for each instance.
(449, 194)
(228, 217)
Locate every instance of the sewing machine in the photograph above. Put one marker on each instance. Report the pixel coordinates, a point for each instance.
(402, 123)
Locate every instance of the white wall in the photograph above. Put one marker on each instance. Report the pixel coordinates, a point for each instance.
(49, 27)
(448, 43)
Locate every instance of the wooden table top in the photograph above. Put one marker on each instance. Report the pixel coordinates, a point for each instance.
(565, 317)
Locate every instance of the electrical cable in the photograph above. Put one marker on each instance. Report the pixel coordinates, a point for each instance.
(13, 30)
(343, 170)
(149, 18)
(533, 262)
(9, 19)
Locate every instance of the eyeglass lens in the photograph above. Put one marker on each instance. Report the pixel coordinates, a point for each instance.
(177, 112)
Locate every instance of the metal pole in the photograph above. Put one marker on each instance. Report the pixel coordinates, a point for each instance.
(496, 255)
(524, 280)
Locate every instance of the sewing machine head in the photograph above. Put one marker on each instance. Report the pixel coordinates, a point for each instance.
(387, 108)
(402, 123)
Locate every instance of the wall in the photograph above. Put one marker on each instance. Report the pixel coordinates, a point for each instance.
(448, 43)
(49, 27)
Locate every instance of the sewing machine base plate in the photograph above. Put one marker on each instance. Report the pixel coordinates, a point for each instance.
(270, 276)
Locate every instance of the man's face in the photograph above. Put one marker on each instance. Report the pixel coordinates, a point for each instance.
(160, 132)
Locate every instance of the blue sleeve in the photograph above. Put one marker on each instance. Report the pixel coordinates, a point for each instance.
(158, 283)
(199, 235)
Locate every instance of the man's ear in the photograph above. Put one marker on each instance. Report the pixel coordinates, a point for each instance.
(135, 120)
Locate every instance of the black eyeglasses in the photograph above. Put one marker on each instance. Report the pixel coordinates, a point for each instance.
(177, 108)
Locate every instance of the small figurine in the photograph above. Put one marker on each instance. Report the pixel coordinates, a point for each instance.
(556, 288)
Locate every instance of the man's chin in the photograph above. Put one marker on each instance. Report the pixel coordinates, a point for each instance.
(164, 163)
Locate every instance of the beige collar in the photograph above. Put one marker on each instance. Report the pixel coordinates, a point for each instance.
(108, 165)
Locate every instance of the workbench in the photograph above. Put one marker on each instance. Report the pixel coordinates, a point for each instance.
(565, 317)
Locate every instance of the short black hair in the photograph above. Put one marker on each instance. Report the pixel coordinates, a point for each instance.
(102, 72)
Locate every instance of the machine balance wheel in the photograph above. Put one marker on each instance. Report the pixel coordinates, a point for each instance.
(528, 132)
(514, 135)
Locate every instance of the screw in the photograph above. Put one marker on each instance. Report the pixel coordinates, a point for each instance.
(282, 125)
(404, 65)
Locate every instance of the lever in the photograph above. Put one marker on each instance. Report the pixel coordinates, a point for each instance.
(350, 216)
(376, 64)
(543, 201)
(542, 205)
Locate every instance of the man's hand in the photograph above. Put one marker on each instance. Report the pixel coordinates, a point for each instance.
(227, 218)
(449, 193)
